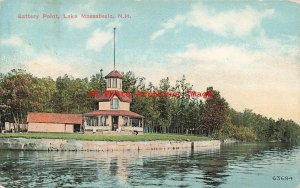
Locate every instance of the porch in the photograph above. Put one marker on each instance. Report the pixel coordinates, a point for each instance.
(113, 123)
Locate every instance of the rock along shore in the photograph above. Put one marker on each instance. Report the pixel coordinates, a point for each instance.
(101, 146)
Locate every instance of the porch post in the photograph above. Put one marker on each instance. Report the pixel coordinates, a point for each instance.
(99, 121)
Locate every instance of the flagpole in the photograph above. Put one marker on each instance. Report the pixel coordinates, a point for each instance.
(114, 48)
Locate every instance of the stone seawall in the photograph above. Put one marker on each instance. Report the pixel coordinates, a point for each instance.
(81, 145)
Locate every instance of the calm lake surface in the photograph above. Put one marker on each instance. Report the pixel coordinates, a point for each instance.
(234, 165)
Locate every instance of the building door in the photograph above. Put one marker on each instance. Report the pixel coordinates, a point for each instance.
(114, 120)
(76, 128)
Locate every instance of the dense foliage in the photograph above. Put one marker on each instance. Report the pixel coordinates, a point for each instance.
(21, 93)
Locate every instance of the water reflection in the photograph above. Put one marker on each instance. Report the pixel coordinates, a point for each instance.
(229, 166)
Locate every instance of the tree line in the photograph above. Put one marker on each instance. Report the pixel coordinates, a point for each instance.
(22, 92)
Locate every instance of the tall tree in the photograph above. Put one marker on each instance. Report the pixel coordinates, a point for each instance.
(15, 90)
(41, 97)
(164, 104)
(129, 82)
(180, 106)
(215, 113)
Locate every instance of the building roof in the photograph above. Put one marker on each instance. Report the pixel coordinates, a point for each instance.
(114, 74)
(114, 113)
(54, 118)
(108, 95)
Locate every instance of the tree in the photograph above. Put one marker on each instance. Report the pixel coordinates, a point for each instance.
(43, 90)
(180, 106)
(97, 82)
(15, 90)
(215, 113)
(164, 105)
(129, 82)
(71, 95)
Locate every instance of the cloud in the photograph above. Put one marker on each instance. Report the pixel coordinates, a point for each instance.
(13, 41)
(237, 22)
(54, 66)
(47, 65)
(157, 34)
(81, 9)
(17, 42)
(98, 40)
(170, 24)
(266, 80)
(234, 22)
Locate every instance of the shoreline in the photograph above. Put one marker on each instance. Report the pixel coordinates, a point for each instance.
(26, 144)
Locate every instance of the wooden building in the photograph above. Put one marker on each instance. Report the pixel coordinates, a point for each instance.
(53, 122)
(113, 114)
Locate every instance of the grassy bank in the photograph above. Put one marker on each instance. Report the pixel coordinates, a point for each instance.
(95, 137)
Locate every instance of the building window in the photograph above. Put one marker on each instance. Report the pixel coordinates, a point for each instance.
(108, 83)
(92, 121)
(136, 123)
(120, 85)
(103, 120)
(115, 104)
(114, 84)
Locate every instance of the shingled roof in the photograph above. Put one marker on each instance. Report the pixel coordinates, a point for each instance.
(114, 74)
(33, 117)
(108, 95)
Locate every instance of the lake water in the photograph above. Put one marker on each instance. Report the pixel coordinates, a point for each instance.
(234, 165)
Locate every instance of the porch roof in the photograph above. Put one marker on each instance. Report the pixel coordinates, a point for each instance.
(114, 113)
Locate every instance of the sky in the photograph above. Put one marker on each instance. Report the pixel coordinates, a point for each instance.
(247, 50)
